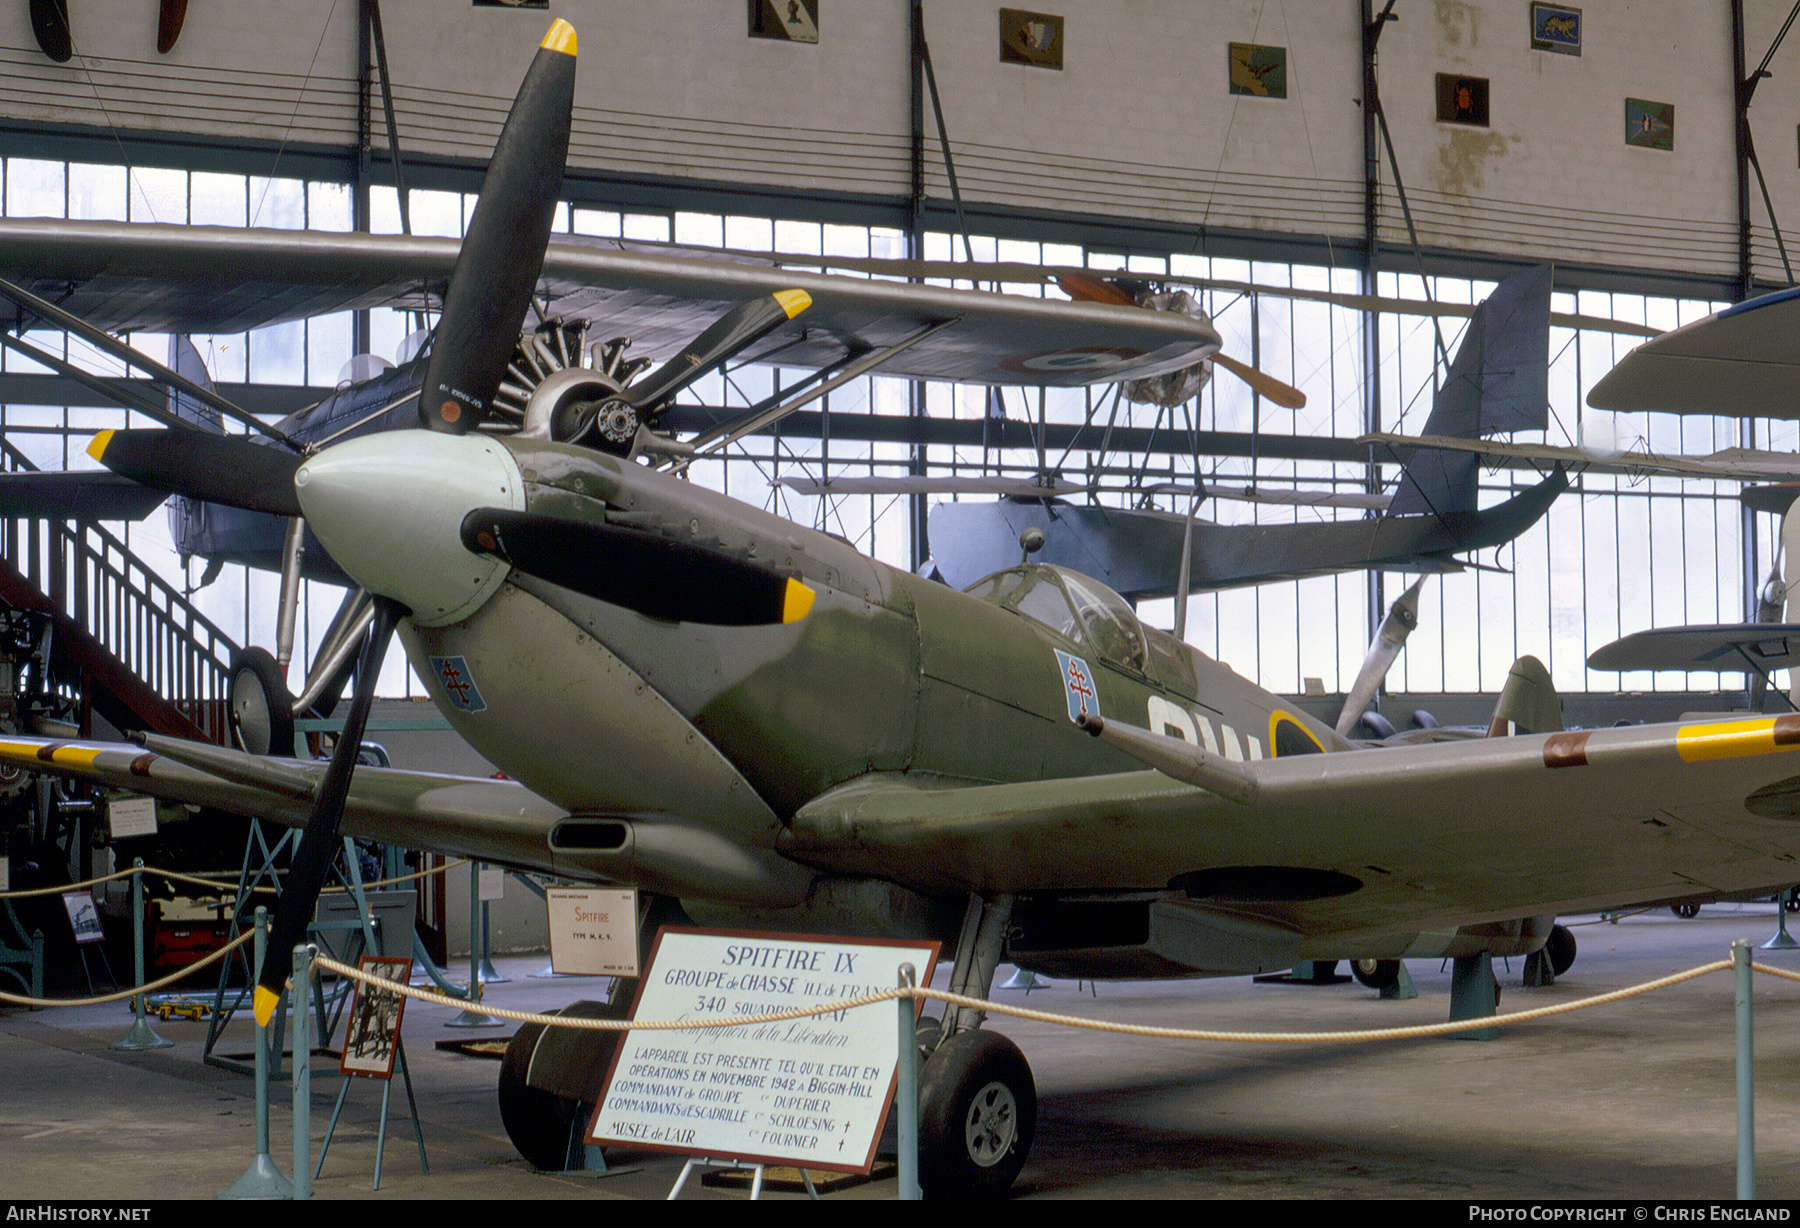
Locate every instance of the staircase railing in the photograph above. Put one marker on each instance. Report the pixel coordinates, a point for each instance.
(144, 622)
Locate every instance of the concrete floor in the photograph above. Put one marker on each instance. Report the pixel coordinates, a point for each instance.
(1628, 1101)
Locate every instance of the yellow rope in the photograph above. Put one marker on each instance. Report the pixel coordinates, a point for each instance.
(1451, 1027)
(215, 885)
(122, 994)
(1098, 1025)
(1783, 973)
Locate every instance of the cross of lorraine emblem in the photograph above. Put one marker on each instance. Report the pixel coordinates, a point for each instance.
(1078, 685)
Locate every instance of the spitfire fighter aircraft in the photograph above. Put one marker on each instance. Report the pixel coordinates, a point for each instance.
(749, 718)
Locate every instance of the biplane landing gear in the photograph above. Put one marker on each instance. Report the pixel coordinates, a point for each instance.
(262, 710)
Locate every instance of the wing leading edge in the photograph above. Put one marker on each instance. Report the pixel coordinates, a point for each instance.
(1364, 843)
(210, 279)
(497, 821)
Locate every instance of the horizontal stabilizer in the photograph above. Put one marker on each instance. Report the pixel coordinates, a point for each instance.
(1724, 647)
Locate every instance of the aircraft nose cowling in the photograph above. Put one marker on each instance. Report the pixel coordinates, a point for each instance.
(390, 507)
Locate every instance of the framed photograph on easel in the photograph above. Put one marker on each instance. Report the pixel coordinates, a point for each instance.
(369, 1042)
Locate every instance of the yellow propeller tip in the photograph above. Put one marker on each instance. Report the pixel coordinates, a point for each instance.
(796, 602)
(97, 446)
(264, 1004)
(793, 301)
(561, 37)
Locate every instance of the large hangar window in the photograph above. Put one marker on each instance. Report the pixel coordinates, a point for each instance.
(1614, 555)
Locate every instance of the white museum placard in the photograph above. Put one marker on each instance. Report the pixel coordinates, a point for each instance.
(593, 930)
(490, 884)
(131, 816)
(812, 1091)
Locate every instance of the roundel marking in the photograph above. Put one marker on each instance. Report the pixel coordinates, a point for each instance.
(1078, 359)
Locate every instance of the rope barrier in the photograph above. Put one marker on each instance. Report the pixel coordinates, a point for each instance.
(27, 893)
(150, 987)
(1416, 1031)
(214, 884)
(1097, 1025)
(1783, 973)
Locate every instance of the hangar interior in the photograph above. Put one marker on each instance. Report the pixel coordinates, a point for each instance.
(1135, 154)
(1338, 185)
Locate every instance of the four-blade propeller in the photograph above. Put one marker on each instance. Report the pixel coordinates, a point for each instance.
(484, 308)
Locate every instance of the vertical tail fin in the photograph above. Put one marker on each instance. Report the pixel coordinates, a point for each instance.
(1529, 700)
(185, 361)
(1498, 381)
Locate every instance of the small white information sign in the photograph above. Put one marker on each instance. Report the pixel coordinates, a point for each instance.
(812, 1091)
(593, 931)
(131, 816)
(490, 884)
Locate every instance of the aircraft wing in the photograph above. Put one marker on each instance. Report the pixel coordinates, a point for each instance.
(1740, 362)
(210, 279)
(1724, 647)
(493, 820)
(1362, 843)
(1727, 464)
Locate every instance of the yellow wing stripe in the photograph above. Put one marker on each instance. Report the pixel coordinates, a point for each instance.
(97, 445)
(1736, 739)
(55, 752)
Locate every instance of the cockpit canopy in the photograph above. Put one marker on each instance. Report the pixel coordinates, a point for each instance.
(1072, 605)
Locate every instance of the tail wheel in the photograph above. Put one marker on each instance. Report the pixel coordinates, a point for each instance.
(1376, 973)
(549, 1078)
(1561, 949)
(977, 1116)
(262, 708)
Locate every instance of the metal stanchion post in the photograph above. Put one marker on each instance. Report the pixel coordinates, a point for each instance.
(472, 1018)
(141, 1035)
(262, 1179)
(303, 974)
(490, 975)
(1746, 1092)
(906, 1107)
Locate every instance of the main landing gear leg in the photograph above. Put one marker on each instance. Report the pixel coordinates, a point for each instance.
(977, 1099)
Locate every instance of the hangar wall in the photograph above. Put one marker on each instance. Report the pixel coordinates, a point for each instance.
(1139, 123)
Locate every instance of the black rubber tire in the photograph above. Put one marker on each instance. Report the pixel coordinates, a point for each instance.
(538, 1121)
(1561, 949)
(262, 707)
(1686, 912)
(1376, 973)
(977, 1116)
